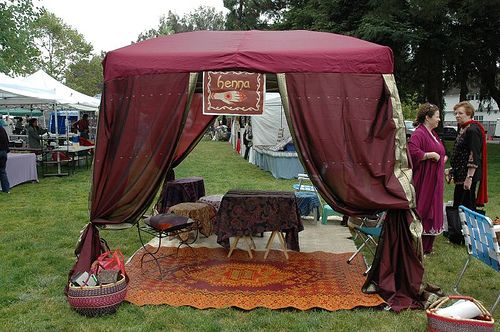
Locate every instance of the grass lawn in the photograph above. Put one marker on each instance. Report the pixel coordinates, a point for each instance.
(40, 223)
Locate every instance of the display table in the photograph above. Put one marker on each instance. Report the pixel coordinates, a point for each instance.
(21, 167)
(281, 164)
(180, 191)
(247, 212)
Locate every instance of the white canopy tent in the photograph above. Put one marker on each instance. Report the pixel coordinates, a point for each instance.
(66, 95)
(41, 88)
(16, 92)
(42, 91)
(266, 127)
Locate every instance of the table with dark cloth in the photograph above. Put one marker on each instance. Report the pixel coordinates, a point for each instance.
(180, 191)
(307, 202)
(247, 212)
(21, 167)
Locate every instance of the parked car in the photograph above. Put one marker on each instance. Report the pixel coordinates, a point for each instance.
(449, 133)
(409, 128)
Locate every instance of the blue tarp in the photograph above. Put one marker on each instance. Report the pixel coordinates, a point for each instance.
(61, 119)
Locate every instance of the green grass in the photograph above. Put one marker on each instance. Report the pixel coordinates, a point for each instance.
(40, 223)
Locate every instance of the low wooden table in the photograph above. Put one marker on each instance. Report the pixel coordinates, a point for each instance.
(246, 212)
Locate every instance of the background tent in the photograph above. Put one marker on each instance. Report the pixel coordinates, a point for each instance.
(265, 127)
(63, 93)
(13, 91)
(341, 100)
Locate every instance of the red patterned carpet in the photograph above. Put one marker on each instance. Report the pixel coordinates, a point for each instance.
(206, 278)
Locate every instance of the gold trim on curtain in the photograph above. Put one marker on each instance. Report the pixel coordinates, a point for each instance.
(402, 169)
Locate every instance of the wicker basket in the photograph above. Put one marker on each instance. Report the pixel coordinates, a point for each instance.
(97, 300)
(438, 323)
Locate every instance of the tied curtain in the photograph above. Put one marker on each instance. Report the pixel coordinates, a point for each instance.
(140, 127)
(344, 127)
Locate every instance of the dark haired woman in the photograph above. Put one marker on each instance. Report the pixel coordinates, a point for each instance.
(34, 134)
(468, 160)
(428, 157)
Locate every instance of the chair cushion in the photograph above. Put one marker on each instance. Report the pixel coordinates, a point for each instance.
(168, 221)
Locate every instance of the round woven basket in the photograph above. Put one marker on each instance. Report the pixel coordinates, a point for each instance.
(97, 300)
(439, 323)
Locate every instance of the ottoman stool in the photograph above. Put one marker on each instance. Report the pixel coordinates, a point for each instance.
(202, 213)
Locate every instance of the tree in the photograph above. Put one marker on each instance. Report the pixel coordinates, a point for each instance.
(202, 18)
(60, 45)
(17, 48)
(475, 36)
(86, 76)
(253, 14)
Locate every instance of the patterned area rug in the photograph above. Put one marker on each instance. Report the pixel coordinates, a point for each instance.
(206, 278)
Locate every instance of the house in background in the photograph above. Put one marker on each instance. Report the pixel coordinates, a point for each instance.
(490, 119)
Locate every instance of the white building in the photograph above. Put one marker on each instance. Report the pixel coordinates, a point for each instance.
(488, 119)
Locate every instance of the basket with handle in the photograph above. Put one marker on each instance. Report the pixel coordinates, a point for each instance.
(439, 323)
(97, 300)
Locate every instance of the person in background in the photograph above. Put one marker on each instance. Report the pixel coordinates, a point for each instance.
(9, 125)
(34, 134)
(469, 160)
(247, 138)
(83, 126)
(428, 157)
(19, 128)
(4, 149)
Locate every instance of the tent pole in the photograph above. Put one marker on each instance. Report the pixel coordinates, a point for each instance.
(57, 139)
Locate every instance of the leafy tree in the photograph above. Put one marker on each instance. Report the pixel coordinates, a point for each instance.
(202, 18)
(17, 49)
(86, 75)
(253, 14)
(474, 55)
(60, 45)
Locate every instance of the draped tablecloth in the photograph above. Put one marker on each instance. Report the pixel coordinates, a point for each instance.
(307, 202)
(281, 164)
(180, 191)
(246, 212)
(21, 167)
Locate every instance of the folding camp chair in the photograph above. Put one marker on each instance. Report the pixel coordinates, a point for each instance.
(368, 230)
(481, 242)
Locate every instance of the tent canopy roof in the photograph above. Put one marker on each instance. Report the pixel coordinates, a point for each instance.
(41, 88)
(264, 51)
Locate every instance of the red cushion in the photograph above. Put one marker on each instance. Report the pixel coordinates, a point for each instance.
(167, 221)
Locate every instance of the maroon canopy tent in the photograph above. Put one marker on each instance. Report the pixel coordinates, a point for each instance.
(339, 95)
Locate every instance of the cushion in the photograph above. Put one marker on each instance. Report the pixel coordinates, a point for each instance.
(168, 222)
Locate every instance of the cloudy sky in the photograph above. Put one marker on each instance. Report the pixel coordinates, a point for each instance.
(111, 24)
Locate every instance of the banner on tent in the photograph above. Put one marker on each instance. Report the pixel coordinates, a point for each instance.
(233, 93)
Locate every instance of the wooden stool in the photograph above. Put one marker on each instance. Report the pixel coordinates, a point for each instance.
(282, 243)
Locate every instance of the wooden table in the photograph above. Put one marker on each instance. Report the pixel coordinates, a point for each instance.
(246, 212)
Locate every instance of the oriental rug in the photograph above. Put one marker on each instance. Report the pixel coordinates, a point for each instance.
(206, 278)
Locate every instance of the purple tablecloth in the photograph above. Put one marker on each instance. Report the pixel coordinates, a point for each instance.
(21, 167)
(180, 191)
(247, 212)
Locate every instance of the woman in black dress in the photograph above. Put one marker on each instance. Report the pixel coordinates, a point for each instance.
(468, 162)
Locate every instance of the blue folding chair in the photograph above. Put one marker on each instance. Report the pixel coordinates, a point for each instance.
(481, 241)
(368, 234)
